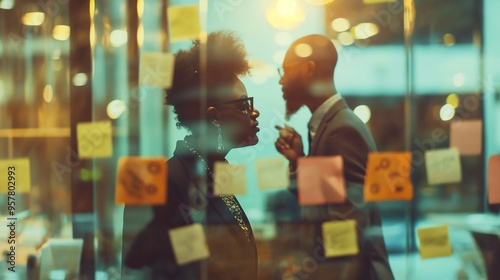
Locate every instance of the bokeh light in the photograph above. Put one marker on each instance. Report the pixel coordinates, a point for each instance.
(447, 112)
(449, 39)
(453, 100)
(61, 32)
(33, 18)
(118, 38)
(459, 79)
(365, 30)
(363, 112)
(80, 79)
(285, 14)
(48, 93)
(115, 109)
(345, 38)
(283, 38)
(303, 50)
(341, 24)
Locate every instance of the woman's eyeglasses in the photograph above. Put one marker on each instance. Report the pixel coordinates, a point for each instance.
(243, 104)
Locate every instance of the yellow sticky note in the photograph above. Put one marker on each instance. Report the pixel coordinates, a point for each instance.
(16, 173)
(229, 179)
(184, 22)
(340, 238)
(94, 139)
(141, 181)
(272, 173)
(189, 243)
(388, 177)
(434, 242)
(443, 166)
(467, 136)
(156, 69)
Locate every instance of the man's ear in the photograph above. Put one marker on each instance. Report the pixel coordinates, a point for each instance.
(213, 115)
(311, 68)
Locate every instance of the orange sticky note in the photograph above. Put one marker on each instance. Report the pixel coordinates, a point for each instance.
(434, 242)
(467, 136)
(388, 177)
(340, 238)
(494, 179)
(141, 181)
(184, 22)
(320, 180)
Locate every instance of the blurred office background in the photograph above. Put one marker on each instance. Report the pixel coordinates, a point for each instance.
(405, 67)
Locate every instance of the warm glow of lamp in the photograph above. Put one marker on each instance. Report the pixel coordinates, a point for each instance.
(33, 18)
(320, 2)
(447, 112)
(285, 14)
(48, 93)
(453, 100)
(363, 112)
(340, 24)
(365, 30)
(118, 38)
(115, 109)
(61, 32)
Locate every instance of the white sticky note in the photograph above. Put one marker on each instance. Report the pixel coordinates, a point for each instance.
(272, 173)
(94, 139)
(189, 243)
(156, 69)
(229, 179)
(17, 176)
(443, 166)
(340, 238)
(467, 136)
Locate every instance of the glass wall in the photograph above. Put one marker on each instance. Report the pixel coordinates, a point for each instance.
(84, 123)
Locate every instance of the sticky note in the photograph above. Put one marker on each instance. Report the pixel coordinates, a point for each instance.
(320, 180)
(156, 69)
(467, 136)
(16, 175)
(94, 139)
(189, 243)
(50, 260)
(443, 166)
(388, 177)
(184, 22)
(340, 238)
(272, 173)
(141, 181)
(434, 242)
(229, 179)
(494, 179)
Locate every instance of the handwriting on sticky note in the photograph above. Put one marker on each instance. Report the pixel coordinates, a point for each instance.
(189, 243)
(320, 180)
(494, 179)
(434, 242)
(229, 179)
(443, 166)
(156, 69)
(272, 173)
(94, 139)
(184, 22)
(141, 181)
(340, 238)
(388, 177)
(17, 173)
(467, 136)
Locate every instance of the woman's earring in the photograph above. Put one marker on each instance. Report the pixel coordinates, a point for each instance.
(220, 147)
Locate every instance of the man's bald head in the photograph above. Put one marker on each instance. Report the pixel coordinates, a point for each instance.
(316, 48)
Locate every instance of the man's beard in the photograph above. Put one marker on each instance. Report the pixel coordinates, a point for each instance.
(291, 108)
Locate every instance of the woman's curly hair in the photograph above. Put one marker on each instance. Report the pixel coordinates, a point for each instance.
(225, 61)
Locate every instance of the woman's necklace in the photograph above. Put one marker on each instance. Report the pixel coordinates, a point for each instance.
(229, 200)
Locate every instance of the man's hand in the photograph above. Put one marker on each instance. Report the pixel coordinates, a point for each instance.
(289, 144)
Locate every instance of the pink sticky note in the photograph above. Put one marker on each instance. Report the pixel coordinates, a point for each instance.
(467, 136)
(494, 179)
(320, 180)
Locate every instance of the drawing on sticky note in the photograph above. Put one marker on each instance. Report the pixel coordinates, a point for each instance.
(384, 164)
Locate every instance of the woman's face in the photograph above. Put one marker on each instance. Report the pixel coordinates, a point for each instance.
(237, 117)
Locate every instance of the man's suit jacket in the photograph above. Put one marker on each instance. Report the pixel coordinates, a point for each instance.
(232, 255)
(341, 132)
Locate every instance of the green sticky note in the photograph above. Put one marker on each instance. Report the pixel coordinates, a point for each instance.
(340, 238)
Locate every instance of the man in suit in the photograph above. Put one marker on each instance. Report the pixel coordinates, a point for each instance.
(334, 129)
